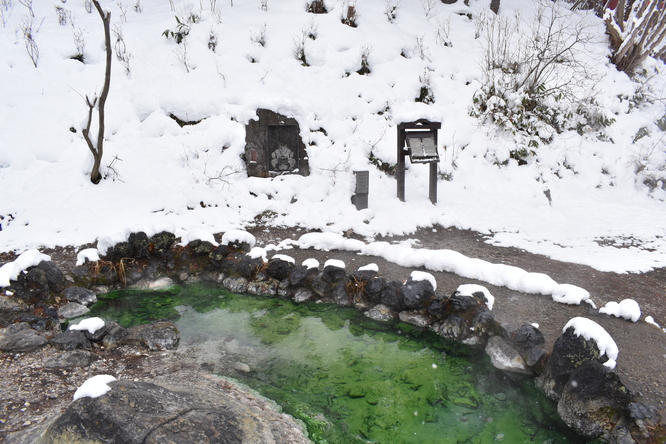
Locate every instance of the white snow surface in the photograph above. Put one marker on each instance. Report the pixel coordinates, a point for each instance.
(258, 252)
(423, 276)
(158, 175)
(89, 324)
(627, 309)
(571, 294)
(94, 387)
(285, 258)
(87, 254)
(370, 267)
(470, 289)
(203, 235)
(25, 260)
(238, 236)
(334, 263)
(590, 330)
(310, 263)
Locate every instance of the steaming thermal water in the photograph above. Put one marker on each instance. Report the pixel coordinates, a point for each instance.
(349, 378)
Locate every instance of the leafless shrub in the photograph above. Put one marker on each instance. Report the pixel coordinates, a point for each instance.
(122, 54)
(430, 8)
(215, 11)
(62, 15)
(259, 37)
(181, 54)
(80, 43)
(391, 10)
(366, 50)
(637, 29)
(299, 47)
(28, 4)
(264, 5)
(349, 15)
(420, 49)
(311, 30)
(137, 6)
(443, 31)
(88, 5)
(316, 7)
(6, 9)
(212, 40)
(425, 92)
(28, 29)
(123, 11)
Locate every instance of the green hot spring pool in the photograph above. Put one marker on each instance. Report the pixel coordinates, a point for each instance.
(350, 379)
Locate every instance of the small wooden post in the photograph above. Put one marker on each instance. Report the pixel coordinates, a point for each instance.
(401, 162)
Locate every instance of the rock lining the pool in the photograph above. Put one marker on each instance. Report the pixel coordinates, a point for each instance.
(570, 375)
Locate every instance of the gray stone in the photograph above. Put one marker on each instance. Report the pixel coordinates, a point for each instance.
(415, 318)
(417, 294)
(160, 335)
(14, 340)
(454, 327)
(303, 294)
(70, 340)
(235, 284)
(331, 274)
(54, 277)
(73, 358)
(10, 304)
(72, 310)
(381, 313)
(504, 356)
(80, 295)
(263, 288)
(140, 412)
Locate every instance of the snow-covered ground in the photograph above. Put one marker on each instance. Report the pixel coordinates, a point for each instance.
(192, 179)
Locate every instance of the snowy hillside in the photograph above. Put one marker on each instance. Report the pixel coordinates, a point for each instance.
(239, 56)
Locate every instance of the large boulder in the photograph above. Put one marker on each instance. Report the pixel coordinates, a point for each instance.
(80, 295)
(20, 338)
(594, 401)
(417, 293)
(141, 412)
(570, 351)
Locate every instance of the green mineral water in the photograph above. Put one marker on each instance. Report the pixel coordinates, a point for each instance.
(348, 378)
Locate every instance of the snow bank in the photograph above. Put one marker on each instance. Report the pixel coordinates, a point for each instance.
(11, 270)
(627, 309)
(590, 330)
(238, 236)
(571, 294)
(94, 387)
(329, 241)
(423, 276)
(89, 324)
(470, 289)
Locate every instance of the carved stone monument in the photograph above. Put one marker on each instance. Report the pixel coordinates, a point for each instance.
(273, 146)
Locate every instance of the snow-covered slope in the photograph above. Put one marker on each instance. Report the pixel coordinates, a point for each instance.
(192, 178)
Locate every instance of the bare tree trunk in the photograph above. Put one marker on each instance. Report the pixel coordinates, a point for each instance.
(494, 6)
(98, 150)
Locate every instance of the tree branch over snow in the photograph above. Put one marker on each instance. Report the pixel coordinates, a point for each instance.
(97, 150)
